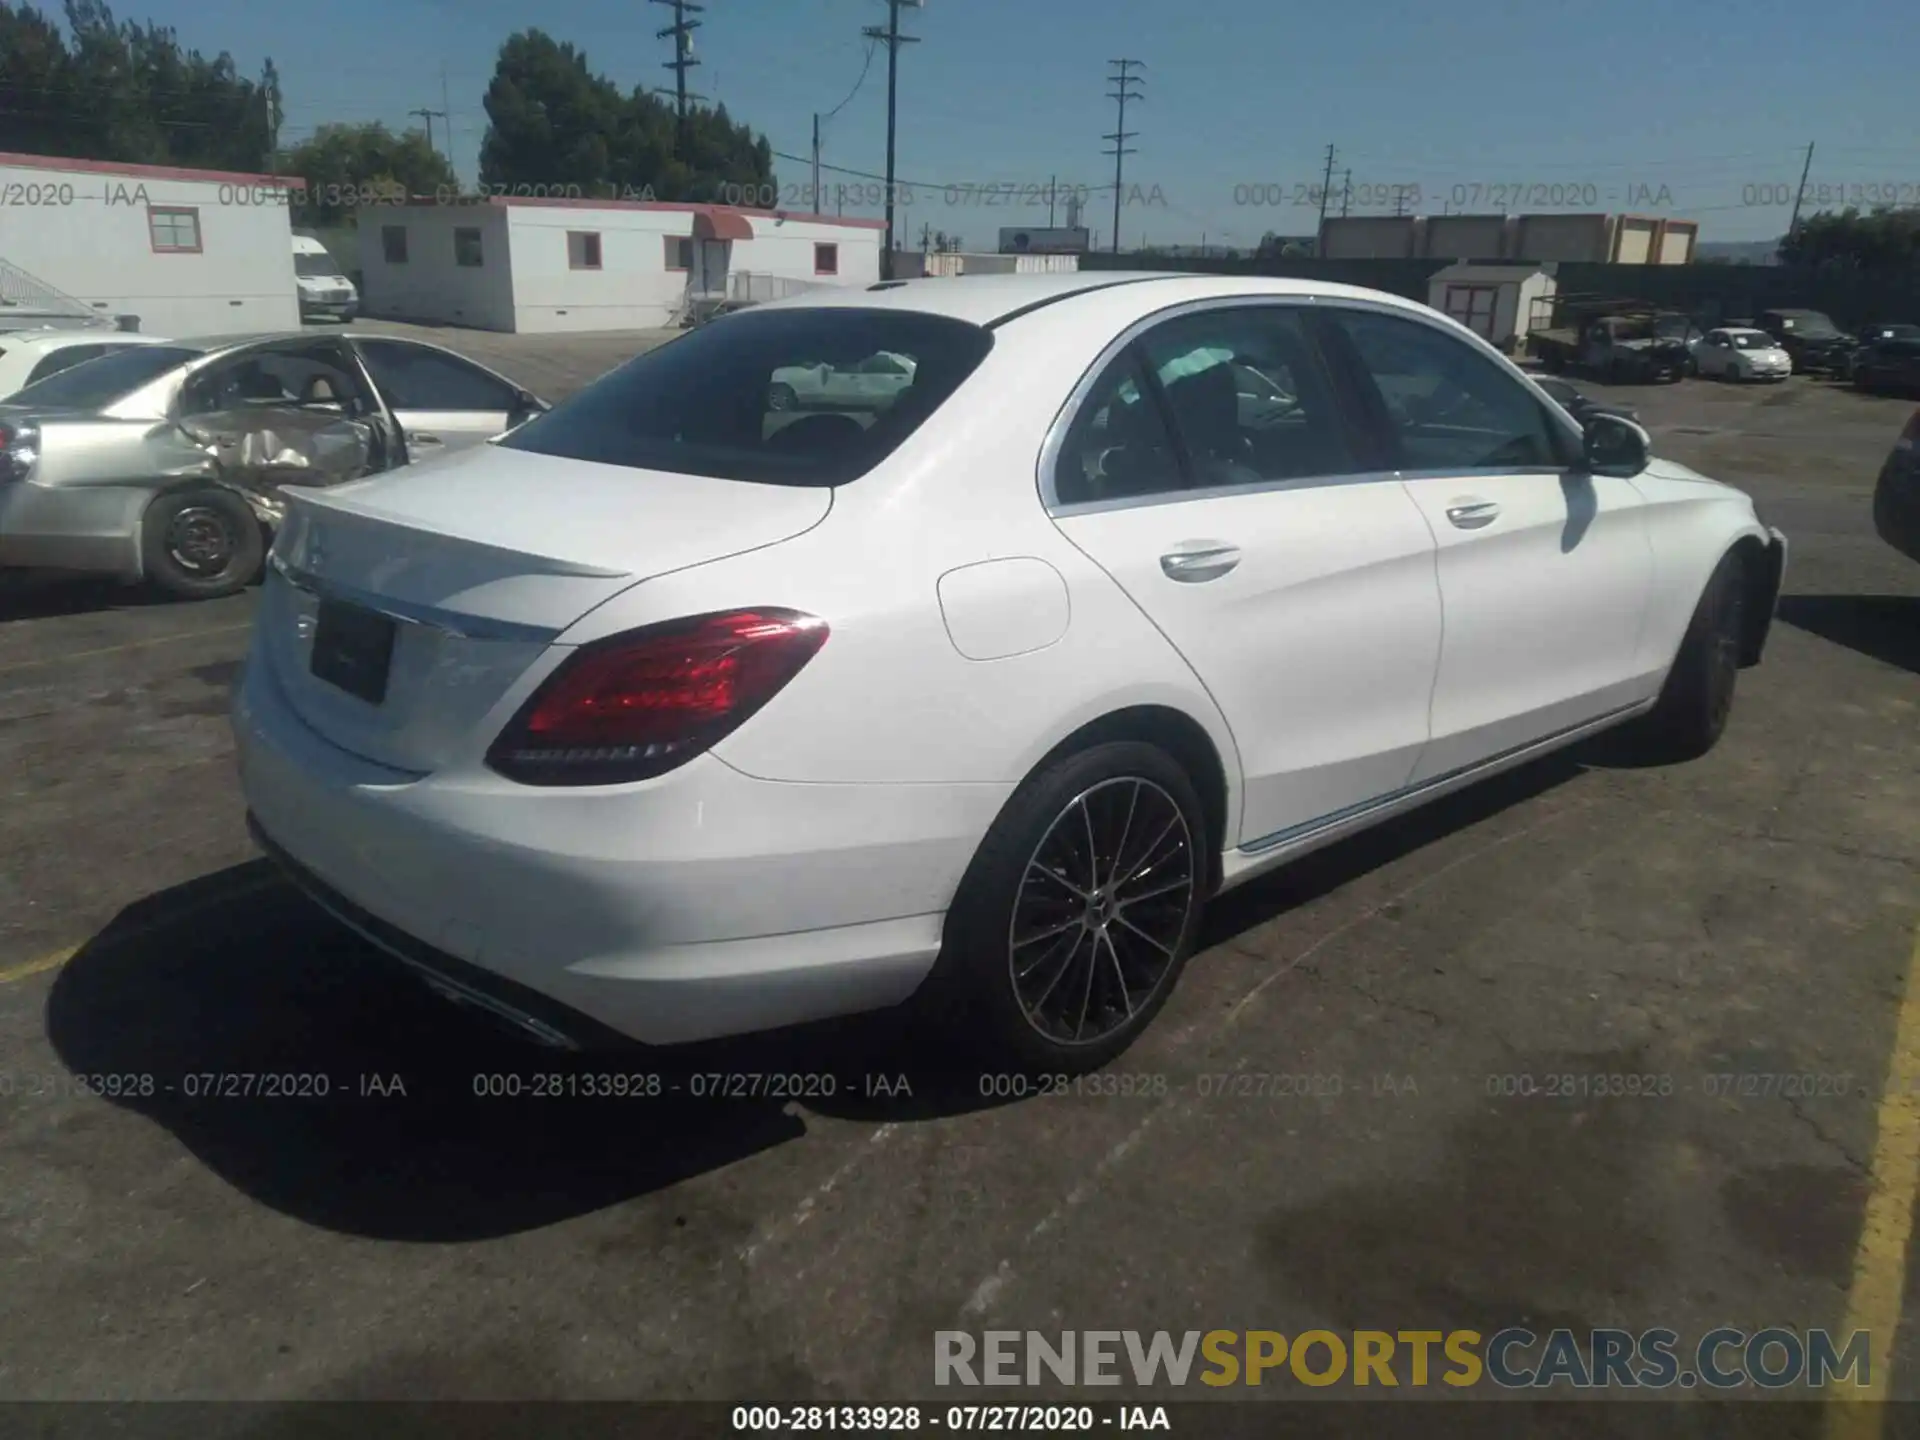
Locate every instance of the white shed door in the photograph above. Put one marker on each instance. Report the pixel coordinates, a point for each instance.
(1473, 307)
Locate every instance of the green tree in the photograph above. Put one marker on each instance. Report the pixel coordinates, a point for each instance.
(554, 123)
(1885, 240)
(40, 113)
(344, 166)
(124, 91)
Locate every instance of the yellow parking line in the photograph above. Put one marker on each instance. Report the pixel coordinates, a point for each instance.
(40, 966)
(1880, 1263)
(60, 957)
(118, 649)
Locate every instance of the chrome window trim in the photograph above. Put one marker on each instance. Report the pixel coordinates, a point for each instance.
(1069, 412)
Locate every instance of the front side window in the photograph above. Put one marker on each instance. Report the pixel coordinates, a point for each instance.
(780, 397)
(466, 246)
(1447, 407)
(174, 229)
(1247, 397)
(413, 377)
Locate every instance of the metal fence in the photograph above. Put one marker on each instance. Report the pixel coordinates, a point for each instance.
(28, 301)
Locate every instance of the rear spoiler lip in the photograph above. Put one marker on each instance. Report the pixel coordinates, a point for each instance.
(300, 497)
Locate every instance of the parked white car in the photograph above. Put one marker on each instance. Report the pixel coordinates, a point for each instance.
(820, 385)
(672, 716)
(320, 285)
(1735, 354)
(29, 356)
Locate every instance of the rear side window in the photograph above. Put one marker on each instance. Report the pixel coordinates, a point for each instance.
(103, 381)
(814, 396)
(67, 356)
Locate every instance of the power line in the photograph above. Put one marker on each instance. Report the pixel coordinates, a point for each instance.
(1122, 92)
(865, 66)
(894, 40)
(968, 187)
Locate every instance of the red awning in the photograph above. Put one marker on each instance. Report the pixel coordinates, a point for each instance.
(718, 223)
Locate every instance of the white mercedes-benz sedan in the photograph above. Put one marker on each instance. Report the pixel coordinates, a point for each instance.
(675, 713)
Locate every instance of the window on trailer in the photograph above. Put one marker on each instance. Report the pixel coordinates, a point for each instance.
(679, 252)
(826, 259)
(174, 229)
(466, 246)
(393, 244)
(583, 250)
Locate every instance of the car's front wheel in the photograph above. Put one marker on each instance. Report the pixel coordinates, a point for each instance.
(782, 396)
(1691, 714)
(201, 544)
(1078, 911)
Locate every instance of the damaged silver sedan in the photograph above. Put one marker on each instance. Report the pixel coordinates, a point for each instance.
(165, 463)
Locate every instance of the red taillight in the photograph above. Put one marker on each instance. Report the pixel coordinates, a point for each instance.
(638, 705)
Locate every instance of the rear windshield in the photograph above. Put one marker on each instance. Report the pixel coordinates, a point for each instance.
(811, 396)
(92, 384)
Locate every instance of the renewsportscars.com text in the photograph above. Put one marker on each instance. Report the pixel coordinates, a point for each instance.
(1512, 1358)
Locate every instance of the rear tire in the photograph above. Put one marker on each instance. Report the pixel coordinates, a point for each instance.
(1696, 700)
(1077, 914)
(201, 544)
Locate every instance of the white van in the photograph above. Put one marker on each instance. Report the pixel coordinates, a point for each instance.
(323, 290)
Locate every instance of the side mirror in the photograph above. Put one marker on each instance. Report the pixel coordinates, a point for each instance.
(526, 405)
(1616, 446)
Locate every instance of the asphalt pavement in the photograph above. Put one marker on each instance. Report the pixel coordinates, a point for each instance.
(1344, 1118)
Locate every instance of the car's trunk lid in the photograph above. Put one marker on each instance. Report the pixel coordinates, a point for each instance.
(479, 562)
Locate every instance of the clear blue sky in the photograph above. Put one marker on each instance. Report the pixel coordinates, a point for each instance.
(1712, 102)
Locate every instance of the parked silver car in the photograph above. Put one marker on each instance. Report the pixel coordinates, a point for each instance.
(165, 462)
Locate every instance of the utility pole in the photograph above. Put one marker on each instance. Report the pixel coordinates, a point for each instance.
(1326, 188)
(428, 115)
(682, 31)
(1052, 181)
(1794, 223)
(894, 40)
(819, 205)
(1123, 91)
(1346, 193)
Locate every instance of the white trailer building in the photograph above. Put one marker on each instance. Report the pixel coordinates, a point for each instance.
(190, 252)
(533, 265)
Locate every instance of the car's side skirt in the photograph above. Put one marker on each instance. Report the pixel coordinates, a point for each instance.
(1257, 857)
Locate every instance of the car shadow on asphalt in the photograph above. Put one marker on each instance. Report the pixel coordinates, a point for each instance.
(375, 1108)
(1883, 627)
(36, 598)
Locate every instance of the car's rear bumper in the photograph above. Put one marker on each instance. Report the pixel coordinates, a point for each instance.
(1896, 503)
(91, 529)
(706, 903)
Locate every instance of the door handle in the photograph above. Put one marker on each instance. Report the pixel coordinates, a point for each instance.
(1206, 560)
(1472, 514)
(420, 437)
